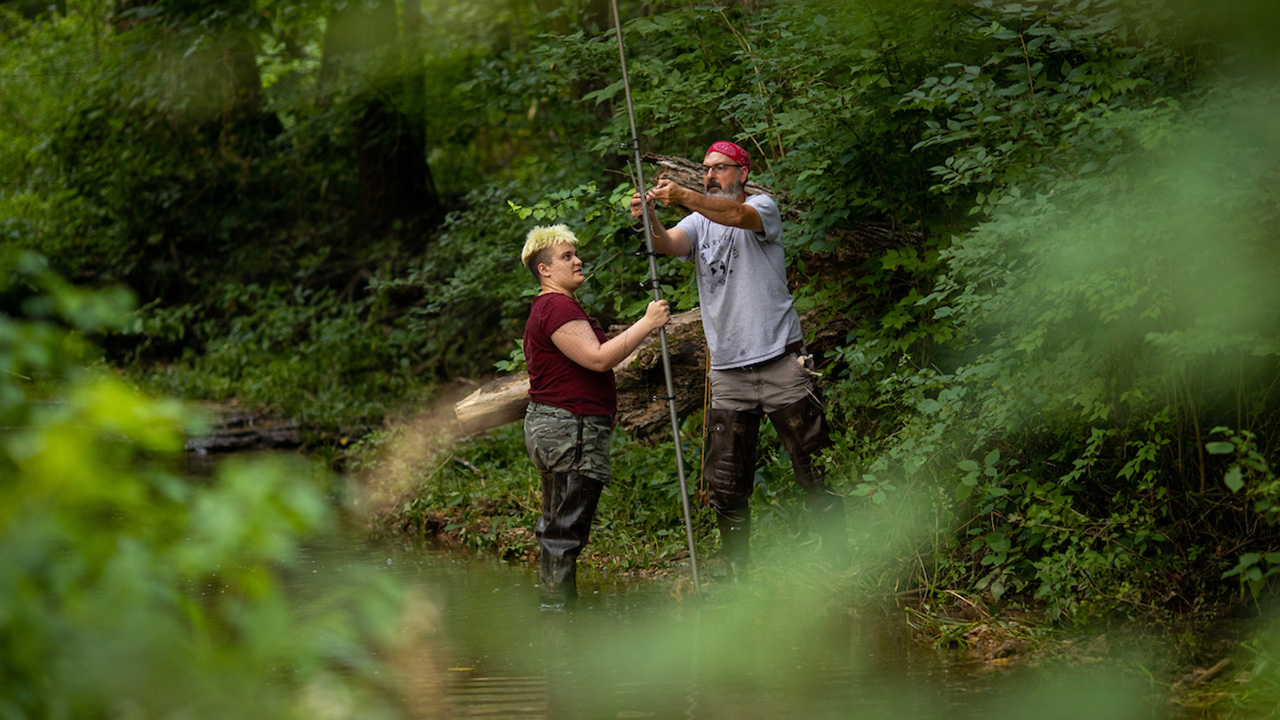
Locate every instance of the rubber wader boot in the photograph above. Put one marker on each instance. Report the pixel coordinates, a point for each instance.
(735, 542)
(568, 505)
(729, 468)
(804, 433)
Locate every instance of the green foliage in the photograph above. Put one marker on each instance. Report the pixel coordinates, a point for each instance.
(1250, 472)
(1096, 334)
(1056, 79)
(304, 354)
(515, 361)
(129, 588)
(225, 197)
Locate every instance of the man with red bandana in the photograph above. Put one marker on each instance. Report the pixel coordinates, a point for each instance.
(758, 363)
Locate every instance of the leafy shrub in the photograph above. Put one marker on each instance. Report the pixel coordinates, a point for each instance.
(1102, 336)
(130, 588)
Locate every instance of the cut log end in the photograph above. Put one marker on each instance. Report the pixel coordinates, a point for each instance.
(494, 404)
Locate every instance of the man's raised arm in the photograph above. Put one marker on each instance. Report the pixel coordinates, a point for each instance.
(665, 242)
(726, 211)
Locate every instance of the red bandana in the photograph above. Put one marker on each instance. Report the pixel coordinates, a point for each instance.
(739, 155)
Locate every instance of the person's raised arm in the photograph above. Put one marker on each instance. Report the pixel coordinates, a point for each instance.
(726, 211)
(578, 341)
(665, 242)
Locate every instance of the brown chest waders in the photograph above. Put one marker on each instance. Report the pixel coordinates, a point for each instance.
(729, 470)
(803, 429)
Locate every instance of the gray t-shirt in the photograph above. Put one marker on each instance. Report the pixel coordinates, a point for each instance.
(748, 314)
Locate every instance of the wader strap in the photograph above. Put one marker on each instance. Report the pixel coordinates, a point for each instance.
(577, 447)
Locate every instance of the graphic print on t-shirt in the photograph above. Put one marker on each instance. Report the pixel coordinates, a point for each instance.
(715, 258)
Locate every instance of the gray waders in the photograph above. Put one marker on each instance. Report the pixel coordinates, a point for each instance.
(804, 433)
(571, 453)
(568, 505)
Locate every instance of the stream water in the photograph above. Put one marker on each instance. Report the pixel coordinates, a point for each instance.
(636, 649)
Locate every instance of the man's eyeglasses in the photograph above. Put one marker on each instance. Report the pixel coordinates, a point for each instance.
(718, 168)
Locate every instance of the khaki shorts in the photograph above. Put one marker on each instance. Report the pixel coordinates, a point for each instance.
(769, 386)
(559, 441)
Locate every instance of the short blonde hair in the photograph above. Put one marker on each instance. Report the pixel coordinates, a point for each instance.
(543, 238)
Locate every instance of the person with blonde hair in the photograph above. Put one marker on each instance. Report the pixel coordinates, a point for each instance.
(572, 403)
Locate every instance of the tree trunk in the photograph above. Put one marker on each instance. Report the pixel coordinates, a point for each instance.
(216, 74)
(365, 48)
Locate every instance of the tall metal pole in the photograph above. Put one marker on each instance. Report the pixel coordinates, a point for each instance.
(657, 295)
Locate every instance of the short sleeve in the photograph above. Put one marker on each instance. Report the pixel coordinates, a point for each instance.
(770, 217)
(561, 309)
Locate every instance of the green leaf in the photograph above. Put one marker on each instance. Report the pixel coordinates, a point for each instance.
(1247, 561)
(1233, 479)
(1220, 448)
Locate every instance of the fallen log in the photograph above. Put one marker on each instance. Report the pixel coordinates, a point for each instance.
(233, 427)
(495, 403)
(642, 384)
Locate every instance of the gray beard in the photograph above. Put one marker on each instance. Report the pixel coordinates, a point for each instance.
(730, 192)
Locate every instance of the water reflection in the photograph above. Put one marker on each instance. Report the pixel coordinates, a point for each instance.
(632, 650)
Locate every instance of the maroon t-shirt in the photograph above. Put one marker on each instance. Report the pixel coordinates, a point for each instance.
(554, 379)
